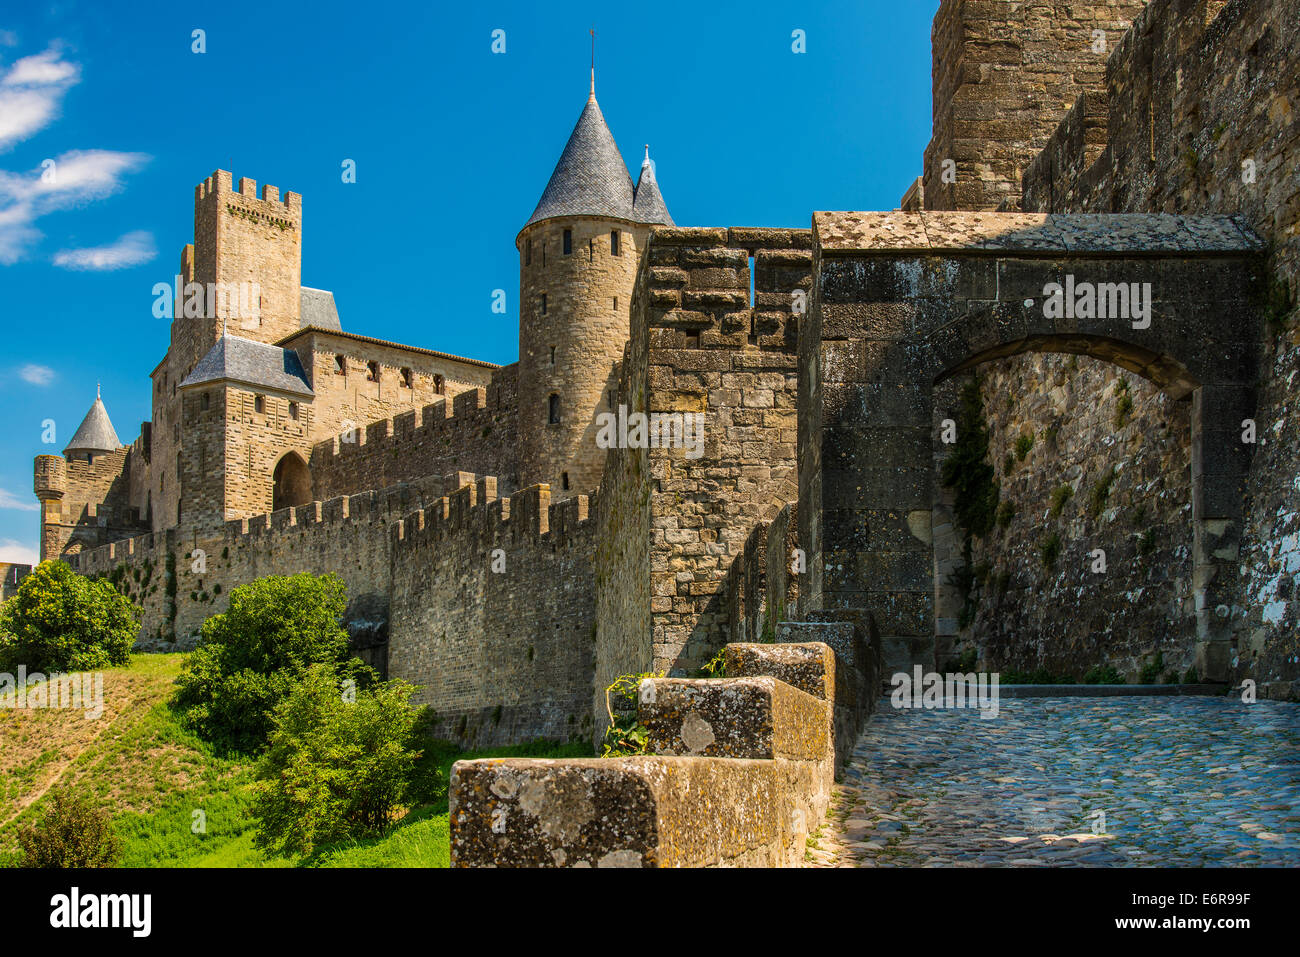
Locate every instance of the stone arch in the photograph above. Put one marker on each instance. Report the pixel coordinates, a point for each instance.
(290, 482)
(902, 301)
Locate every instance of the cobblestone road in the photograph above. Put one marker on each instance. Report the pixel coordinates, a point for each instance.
(1182, 781)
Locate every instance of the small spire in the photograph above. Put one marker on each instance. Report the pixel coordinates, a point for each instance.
(646, 162)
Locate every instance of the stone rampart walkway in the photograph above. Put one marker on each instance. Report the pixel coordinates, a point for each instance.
(1189, 781)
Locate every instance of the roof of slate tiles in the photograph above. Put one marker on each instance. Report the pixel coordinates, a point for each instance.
(591, 178)
(96, 432)
(316, 308)
(247, 362)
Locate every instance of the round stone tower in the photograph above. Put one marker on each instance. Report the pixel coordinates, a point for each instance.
(578, 256)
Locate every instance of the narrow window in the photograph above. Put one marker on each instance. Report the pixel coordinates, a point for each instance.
(591, 250)
(564, 480)
(543, 304)
(259, 403)
(751, 282)
(178, 465)
(568, 241)
(437, 385)
(178, 511)
(613, 242)
(616, 303)
(90, 458)
(553, 415)
(340, 365)
(293, 410)
(552, 355)
(203, 404)
(528, 253)
(407, 379)
(372, 371)
(162, 482)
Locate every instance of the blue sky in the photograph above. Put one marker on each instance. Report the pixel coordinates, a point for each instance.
(453, 145)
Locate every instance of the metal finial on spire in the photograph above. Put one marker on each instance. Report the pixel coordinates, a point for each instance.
(592, 94)
(646, 161)
(97, 395)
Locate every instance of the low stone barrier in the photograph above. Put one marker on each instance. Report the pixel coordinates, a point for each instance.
(741, 770)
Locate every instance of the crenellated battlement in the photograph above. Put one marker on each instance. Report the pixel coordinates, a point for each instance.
(219, 184)
(527, 516)
(473, 431)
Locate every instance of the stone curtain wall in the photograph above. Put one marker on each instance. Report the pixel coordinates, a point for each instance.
(1065, 617)
(1004, 75)
(347, 535)
(475, 431)
(1193, 91)
(503, 656)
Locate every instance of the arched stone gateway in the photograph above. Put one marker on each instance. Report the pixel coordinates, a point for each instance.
(291, 482)
(904, 300)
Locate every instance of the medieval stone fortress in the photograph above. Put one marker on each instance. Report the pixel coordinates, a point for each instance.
(1105, 230)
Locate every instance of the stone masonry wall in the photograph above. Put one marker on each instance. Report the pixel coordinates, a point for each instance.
(1004, 75)
(347, 535)
(1200, 96)
(493, 614)
(1099, 475)
(476, 431)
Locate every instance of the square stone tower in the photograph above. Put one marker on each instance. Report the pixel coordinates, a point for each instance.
(1004, 75)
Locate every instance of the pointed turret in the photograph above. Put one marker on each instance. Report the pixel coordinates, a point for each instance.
(648, 205)
(591, 178)
(96, 434)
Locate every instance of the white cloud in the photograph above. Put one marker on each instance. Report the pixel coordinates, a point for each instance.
(75, 178)
(31, 92)
(34, 374)
(20, 503)
(131, 250)
(18, 552)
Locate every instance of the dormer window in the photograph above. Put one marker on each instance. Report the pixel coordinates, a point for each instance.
(340, 365)
(372, 371)
(613, 242)
(568, 241)
(408, 379)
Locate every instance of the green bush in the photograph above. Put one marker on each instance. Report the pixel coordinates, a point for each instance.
(1100, 493)
(72, 833)
(338, 762)
(1051, 550)
(625, 735)
(62, 621)
(1103, 675)
(1060, 495)
(1150, 671)
(1024, 443)
(252, 655)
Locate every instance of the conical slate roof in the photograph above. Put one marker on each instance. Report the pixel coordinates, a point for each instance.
(96, 433)
(648, 206)
(591, 178)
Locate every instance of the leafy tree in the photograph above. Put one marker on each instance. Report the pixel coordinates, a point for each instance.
(62, 621)
(251, 656)
(72, 833)
(336, 764)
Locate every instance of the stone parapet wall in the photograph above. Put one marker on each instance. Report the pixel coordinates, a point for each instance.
(741, 774)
